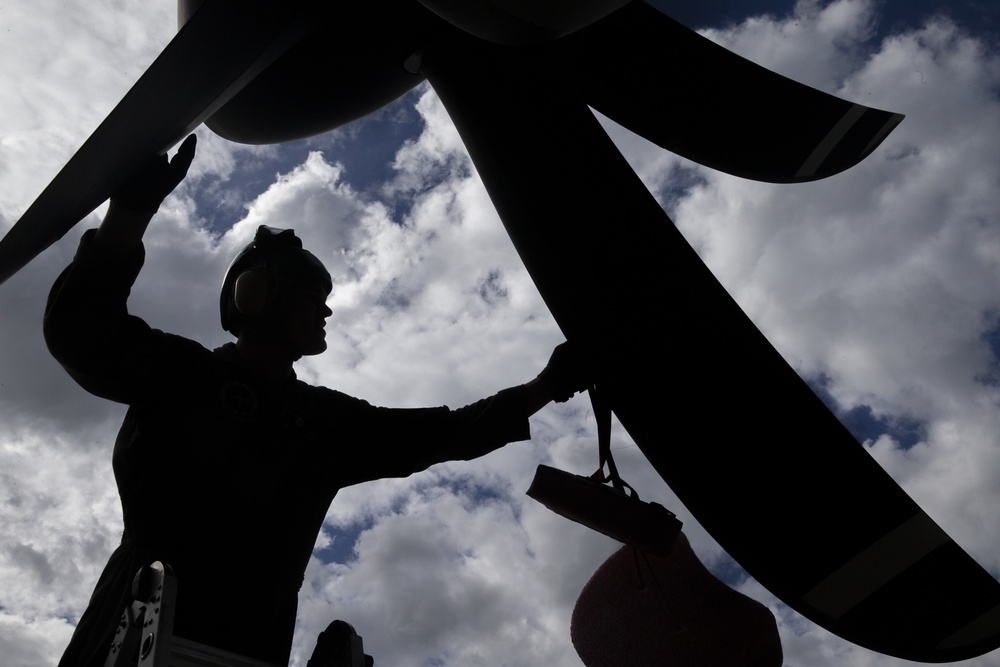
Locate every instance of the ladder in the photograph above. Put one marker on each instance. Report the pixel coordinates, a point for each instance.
(145, 637)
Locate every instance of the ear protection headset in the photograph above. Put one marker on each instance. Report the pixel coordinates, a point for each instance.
(253, 291)
(253, 285)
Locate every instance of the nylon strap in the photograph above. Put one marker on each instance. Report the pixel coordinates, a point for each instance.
(602, 412)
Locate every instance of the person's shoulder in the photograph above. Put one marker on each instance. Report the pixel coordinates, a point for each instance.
(327, 395)
(177, 346)
(174, 356)
(225, 353)
(333, 406)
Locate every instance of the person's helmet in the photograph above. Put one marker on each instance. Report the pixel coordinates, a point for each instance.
(259, 277)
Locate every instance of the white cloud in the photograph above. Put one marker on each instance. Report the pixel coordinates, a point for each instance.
(32, 642)
(820, 44)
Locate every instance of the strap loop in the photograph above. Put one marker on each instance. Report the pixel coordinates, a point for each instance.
(602, 413)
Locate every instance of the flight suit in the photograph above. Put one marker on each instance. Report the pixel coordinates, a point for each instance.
(226, 477)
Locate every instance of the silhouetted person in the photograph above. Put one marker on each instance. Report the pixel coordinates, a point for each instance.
(226, 463)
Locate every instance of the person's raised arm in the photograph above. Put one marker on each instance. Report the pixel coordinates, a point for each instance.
(87, 326)
(134, 204)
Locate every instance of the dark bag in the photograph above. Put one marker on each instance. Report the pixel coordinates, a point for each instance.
(604, 502)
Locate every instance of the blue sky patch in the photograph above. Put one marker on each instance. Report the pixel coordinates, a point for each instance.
(865, 425)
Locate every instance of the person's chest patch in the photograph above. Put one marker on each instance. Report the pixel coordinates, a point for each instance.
(239, 400)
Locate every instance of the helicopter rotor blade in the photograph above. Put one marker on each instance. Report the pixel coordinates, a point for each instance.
(682, 366)
(695, 98)
(187, 82)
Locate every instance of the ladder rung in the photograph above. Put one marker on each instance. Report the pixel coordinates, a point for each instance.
(187, 653)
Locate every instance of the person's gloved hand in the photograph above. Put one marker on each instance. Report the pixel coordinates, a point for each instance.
(565, 374)
(147, 189)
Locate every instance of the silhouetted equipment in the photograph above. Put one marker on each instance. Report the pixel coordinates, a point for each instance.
(604, 501)
(146, 636)
(339, 646)
(643, 609)
(807, 511)
(652, 602)
(248, 68)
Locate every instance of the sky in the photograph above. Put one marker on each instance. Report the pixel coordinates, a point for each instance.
(878, 285)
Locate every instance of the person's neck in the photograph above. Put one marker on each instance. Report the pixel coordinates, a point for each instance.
(263, 358)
